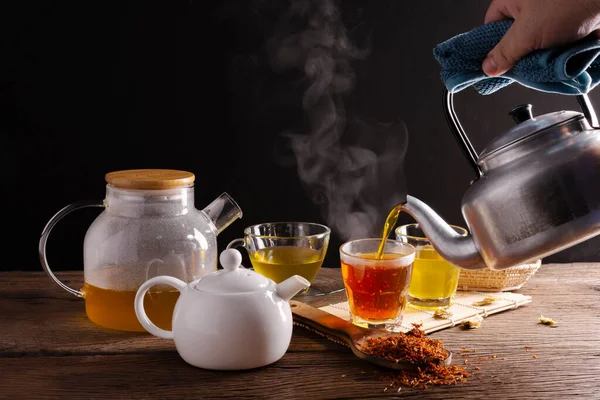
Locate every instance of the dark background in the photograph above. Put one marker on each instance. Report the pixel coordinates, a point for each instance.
(92, 87)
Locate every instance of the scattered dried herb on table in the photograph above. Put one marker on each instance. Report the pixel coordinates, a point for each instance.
(485, 302)
(473, 322)
(547, 321)
(433, 375)
(442, 314)
(414, 347)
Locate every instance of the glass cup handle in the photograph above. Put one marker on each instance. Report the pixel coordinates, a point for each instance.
(139, 303)
(46, 232)
(236, 243)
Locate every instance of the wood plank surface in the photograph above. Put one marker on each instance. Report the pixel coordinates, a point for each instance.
(50, 350)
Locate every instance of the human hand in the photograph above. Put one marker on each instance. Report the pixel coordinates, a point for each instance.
(538, 24)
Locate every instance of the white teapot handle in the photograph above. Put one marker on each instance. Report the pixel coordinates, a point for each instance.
(139, 303)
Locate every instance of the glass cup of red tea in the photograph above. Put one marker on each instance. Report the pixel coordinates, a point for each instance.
(377, 289)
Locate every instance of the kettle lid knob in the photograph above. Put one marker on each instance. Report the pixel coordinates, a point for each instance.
(230, 259)
(521, 113)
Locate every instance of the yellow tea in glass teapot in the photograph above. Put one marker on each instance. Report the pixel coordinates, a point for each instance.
(149, 227)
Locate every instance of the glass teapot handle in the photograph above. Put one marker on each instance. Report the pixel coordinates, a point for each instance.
(46, 232)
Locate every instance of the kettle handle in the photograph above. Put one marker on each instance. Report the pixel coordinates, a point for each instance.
(459, 133)
(463, 140)
(46, 232)
(588, 110)
(139, 303)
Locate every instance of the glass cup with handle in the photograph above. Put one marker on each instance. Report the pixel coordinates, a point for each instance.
(279, 250)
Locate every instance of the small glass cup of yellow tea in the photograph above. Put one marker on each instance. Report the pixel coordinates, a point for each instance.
(377, 286)
(434, 280)
(279, 250)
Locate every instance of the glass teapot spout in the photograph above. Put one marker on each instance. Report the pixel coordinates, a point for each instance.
(456, 249)
(222, 212)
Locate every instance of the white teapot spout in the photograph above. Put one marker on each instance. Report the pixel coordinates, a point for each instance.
(291, 287)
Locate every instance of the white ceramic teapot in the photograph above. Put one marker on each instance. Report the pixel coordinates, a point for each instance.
(232, 319)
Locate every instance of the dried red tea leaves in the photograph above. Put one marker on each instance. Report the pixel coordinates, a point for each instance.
(432, 375)
(414, 347)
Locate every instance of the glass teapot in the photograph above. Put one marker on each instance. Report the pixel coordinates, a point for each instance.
(149, 227)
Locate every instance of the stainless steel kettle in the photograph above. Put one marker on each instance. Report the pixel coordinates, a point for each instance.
(536, 190)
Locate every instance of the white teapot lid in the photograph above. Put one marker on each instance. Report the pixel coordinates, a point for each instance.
(232, 279)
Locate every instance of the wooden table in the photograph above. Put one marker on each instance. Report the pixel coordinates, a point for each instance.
(50, 350)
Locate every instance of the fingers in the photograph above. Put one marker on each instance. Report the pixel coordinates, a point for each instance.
(515, 44)
(595, 35)
(497, 11)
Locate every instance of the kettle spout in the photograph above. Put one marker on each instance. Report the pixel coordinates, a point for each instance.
(222, 212)
(291, 287)
(454, 248)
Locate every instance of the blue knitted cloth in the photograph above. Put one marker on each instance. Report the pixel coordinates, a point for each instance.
(568, 70)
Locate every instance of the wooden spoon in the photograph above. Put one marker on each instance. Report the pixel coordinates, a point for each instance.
(347, 334)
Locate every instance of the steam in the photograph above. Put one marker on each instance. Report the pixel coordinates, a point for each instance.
(351, 167)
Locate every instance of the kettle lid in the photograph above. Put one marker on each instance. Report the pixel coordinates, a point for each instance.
(232, 279)
(528, 126)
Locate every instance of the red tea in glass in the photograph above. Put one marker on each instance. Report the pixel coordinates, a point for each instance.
(377, 288)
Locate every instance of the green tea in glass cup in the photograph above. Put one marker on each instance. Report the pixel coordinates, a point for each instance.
(434, 280)
(279, 250)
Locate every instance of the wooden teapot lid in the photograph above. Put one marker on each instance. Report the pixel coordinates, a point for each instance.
(150, 179)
